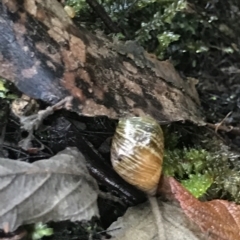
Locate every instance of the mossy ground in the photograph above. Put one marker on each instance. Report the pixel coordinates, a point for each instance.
(200, 160)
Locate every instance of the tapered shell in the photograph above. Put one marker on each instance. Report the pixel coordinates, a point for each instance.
(137, 152)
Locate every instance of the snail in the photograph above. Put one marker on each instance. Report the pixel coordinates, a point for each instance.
(137, 141)
(137, 156)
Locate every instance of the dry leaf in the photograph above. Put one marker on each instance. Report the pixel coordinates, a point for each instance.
(138, 224)
(59, 188)
(212, 220)
(219, 219)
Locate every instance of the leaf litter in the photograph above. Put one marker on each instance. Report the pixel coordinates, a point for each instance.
(55, 189)
(184, 218)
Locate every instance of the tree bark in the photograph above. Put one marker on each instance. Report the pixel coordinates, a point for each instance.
(48, 57)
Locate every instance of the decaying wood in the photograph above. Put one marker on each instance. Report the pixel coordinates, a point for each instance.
(49, 58)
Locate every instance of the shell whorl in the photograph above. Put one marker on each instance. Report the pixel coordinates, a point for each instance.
(137, 152)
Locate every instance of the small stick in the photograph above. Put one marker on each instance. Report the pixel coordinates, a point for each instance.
(229, 129)
(33, 122)
(218, 125)
(158, 217)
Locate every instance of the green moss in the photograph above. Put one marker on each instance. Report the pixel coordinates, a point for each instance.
(232, 184)
(190, 166)
(4, 90)
(206, 166)
(41, 230)
(187, 32)
(198, 184)
(185, 161)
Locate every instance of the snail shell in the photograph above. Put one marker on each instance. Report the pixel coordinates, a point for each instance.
(137, 152)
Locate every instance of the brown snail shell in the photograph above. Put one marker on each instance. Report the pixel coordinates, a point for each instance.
(137, 152)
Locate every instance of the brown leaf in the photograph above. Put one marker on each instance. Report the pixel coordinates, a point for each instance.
(220, 219)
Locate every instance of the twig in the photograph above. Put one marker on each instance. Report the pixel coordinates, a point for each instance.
(229, 129)
(158, 217)
(31, 123)
(222, 127)
(218, 125)
(110, 197)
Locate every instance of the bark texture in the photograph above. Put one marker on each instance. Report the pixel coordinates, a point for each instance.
(47, 57)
